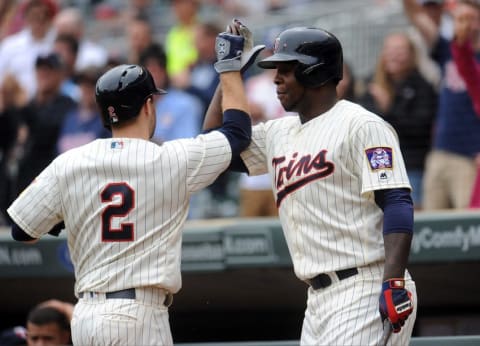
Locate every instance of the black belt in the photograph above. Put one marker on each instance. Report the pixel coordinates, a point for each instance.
(324, 280)
(128, 293)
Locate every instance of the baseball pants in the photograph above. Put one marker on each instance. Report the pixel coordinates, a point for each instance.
(98, 320)
(347, 311)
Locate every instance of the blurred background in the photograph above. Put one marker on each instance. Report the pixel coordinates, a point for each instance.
(238, 283)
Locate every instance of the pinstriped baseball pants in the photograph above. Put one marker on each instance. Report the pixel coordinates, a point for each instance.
(346, 312)
(106, 322)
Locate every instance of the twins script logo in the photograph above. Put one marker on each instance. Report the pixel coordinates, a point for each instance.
(306, 167)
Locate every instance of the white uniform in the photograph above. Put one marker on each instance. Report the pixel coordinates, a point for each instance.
(124, 203)
(324, 174)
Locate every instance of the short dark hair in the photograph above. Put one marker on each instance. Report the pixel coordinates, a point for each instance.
(154, 51)
(46, 315)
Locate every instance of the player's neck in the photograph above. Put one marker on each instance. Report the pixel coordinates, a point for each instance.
(131, 132)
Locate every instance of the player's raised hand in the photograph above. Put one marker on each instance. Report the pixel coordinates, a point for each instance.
(395, 303)
(229, 49)
(250, 52)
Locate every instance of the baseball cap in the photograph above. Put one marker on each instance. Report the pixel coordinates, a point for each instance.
(51, 60)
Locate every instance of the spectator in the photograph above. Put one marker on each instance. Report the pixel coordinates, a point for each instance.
(139, 38)
(49, 324)
(43, 118)
(179, 114)
(12, 99)
(437, 12)
(69, 21)
(19, 51)
(142, 9)
(179, 42)
(83, 123)
(66, 46)
(456, 141)
(201, 79)
(466, 31)
(400, 94)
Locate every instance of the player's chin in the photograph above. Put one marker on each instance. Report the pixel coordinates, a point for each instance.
(284, 102)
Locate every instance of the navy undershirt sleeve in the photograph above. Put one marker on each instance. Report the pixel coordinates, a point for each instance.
(237, 127)
(19, 234)
(397, 206)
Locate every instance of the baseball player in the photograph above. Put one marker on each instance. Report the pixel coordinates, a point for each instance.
(342, 193)
(124, 201)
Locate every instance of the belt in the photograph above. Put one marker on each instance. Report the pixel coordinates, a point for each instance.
(129, 293)
(324, 280)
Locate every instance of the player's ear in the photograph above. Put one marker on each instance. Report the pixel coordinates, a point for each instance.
(149, 106)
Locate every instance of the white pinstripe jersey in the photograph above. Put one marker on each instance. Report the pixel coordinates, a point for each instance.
(124, 203)
(324, 174)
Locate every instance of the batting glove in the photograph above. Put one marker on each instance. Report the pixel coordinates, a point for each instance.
(395, 303)
(229, 50)
(250, 52)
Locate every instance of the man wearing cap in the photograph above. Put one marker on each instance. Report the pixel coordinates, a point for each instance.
(19, 51)
(42, 118)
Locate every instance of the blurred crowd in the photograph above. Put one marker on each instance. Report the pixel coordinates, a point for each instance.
(425, 83)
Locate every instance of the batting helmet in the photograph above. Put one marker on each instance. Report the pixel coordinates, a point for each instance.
(317, 52)
(121, 92)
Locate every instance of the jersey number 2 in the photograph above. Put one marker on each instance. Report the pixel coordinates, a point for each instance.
(120, 209)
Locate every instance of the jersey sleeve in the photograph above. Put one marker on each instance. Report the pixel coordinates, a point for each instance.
(376, 152)
(208, 156)
(255, 155)
(38, 208)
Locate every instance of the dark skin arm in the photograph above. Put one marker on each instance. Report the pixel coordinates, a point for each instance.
(397, 249)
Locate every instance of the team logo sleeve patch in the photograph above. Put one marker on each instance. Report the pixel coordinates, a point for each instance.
(380, 158)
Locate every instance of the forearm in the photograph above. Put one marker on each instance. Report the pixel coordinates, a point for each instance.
(213, 117)
(397, 250)
(233, 94)
(398, 212)
(421, 21)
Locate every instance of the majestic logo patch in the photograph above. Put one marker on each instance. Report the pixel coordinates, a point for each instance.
(380, 158)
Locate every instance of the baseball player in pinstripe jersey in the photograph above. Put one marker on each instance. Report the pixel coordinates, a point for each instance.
(343, 196)
(124, 201)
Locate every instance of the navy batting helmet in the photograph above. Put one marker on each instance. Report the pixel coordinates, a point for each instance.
(121, 92)
(317, 52)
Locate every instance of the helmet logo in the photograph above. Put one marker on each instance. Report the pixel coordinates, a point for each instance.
(276, 44)
(111, 113)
